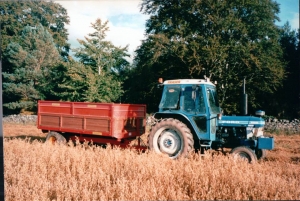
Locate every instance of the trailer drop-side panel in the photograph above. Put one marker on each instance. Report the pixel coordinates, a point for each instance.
(119, 121)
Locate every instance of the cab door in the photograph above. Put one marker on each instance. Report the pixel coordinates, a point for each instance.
(194, 106)
(213, 110)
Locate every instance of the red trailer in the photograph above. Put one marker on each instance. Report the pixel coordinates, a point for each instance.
(117, 124)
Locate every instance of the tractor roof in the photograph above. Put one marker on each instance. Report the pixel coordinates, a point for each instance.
(188, 81)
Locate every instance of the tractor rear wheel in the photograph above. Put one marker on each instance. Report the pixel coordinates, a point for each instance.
(244, 153)
(171, 137)
(55, 138)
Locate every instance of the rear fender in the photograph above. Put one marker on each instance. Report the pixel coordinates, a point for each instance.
(184, 119)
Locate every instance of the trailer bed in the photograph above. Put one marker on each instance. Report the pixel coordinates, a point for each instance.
(118, 121)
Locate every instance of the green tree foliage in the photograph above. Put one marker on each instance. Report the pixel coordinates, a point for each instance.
(101, 55)
(15, 15)
(288, 104)
(32, 59)
(98, 75)
(74, 81)
(223, 40)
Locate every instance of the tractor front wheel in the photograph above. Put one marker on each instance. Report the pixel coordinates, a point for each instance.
(55, 138)
(244, 153)
(171, 137)
(260, 153)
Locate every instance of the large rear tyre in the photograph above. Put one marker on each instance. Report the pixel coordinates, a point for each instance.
(244, 153)
(55, 138)
(171, 137)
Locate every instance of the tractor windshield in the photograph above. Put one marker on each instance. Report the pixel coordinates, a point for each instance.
(170, 98)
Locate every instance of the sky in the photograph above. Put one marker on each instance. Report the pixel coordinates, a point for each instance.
(127, 23)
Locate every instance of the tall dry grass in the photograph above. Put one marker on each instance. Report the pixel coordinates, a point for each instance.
(37, 171)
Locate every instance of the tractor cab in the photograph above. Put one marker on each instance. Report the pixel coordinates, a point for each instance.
(194, 102)
(190, 96)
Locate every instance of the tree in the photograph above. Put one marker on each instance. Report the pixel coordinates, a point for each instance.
(288, 102)
(74, 81)
(105, 65)
(15, 15)
(32, 59)
(223, 40)
(100, 54)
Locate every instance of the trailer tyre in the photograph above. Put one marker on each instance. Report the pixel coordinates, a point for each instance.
(55, 138)
(260, 153)
(244, 153)
(171, 137)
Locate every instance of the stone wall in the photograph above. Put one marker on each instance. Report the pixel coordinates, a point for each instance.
(23, 119)
(272, 125)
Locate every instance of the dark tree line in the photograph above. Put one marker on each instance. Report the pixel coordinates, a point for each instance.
(225, 41)
(288, 95)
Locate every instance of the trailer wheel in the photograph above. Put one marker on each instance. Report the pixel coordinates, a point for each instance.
(55, 138)
(245, 153)
(260, 153)
(171, 137)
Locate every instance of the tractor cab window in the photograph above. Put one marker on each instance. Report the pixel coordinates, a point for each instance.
(193, 99)
(213, 100)
(170, 98)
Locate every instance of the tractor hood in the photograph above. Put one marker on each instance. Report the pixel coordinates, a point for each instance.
(241, 121)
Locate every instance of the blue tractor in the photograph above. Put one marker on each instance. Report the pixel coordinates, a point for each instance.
(189, 118)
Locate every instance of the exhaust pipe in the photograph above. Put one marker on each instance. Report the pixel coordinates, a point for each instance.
(244, 99)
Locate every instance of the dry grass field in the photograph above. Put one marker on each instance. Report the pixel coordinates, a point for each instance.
(36, 171)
